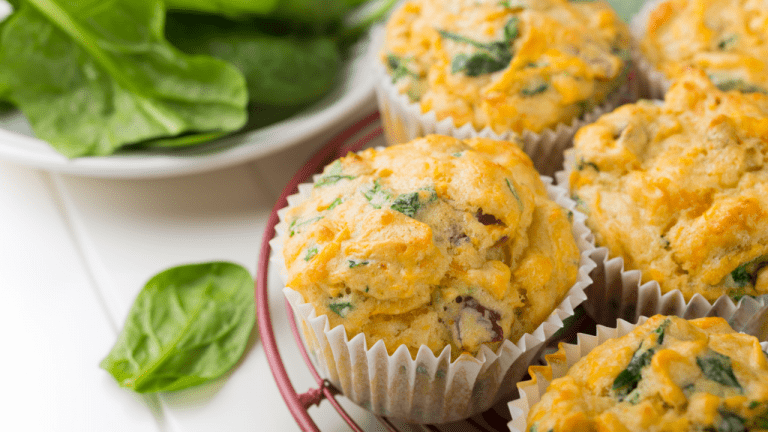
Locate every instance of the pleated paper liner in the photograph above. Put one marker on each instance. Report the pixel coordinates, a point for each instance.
(404, 121)
(558, 364)
(428, 389)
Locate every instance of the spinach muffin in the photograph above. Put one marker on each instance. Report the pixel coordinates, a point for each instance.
(504, 66)
(724, 38)
(668, 374)
(679, 189)
(437, 243)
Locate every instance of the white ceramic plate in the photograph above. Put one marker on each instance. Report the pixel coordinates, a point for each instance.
(353, 91)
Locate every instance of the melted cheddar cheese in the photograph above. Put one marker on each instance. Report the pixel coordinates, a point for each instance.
(438, 242)
(725, 38)
(668, 374)
(511, 65)
(680, 189)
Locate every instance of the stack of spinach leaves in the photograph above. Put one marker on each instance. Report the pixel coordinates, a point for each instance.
(93, 77)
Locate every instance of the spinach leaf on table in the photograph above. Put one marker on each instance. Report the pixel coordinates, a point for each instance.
(189, 324)
(92, 78)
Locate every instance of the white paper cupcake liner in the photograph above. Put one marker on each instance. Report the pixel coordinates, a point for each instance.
(557, 366)
(429, 389)
(404, 121)
(617, 293)
(653, 84)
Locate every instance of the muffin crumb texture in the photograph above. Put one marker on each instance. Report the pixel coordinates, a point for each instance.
(438, 242)
(679, 189)
(668, 374)
(724, 38)
(511, 65)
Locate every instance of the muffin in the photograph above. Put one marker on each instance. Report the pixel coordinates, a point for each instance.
(679, 190)
(668, 374)
(439, 251)
(498, 68)
(724, 38)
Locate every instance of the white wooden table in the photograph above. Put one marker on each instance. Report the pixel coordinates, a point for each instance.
(74, 253)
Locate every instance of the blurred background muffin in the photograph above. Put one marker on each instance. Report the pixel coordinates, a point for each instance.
(499, 68)
(679, 189)
(724, 38)
(437, 257)
(668, 374)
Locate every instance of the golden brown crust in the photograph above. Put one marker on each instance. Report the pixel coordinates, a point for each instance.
(436, 242)
(668, 374)
(512, 65)
(680, 189)
(724, 38)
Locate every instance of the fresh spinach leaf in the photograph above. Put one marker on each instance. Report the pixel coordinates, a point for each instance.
(190, 324)
(285, 70)
(717, 367)
(333, 174)
(91, 79)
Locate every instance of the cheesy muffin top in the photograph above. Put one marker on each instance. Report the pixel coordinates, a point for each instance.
(680, 189)
(668, 374)
(513, 65)
(437, 242)
(725, 38)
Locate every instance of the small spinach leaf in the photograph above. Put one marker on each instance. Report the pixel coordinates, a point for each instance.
(479, 63)
(717, 367)
(661, 330)
(730, 422)
(728, 42)
(190, 324)
(297, 223)
(727, 83)
(628, 379)
(341, 308)
(311, 252)
(377, 195)
(407, 204)
(410, 203)
(398, 68)
(333, 174)
(534, 89)
(356, 263)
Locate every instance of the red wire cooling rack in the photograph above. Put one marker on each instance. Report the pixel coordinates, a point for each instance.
(491, 420)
